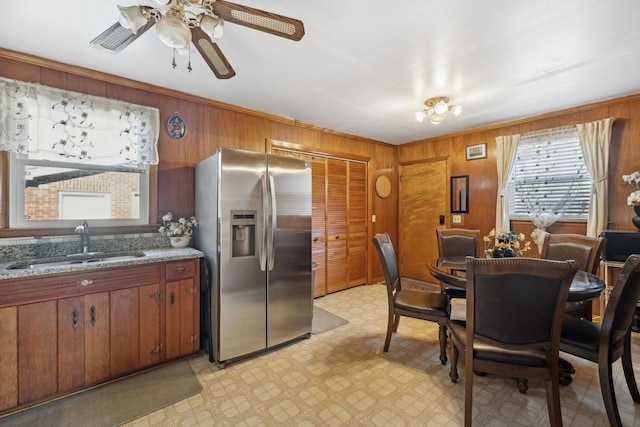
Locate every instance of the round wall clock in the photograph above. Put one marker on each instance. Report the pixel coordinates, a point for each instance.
(383, 186)
(176, 126)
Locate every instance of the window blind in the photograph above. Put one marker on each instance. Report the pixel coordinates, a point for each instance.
(549, 176)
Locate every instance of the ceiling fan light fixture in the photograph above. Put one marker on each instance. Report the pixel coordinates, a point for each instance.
(173, 31)
(132, 18)
(437, 109)
(211, 25)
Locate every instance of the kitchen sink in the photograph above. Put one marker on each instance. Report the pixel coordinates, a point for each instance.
(75, 259)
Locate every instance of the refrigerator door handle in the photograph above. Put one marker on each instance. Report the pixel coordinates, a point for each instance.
(265, 210)
(272, 229)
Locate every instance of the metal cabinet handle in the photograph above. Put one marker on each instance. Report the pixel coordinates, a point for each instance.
(92, 314)
(84, 282)
(172, 298)
(180, 269)
(74, 318)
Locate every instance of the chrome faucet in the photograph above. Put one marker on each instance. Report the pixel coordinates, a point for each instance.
(85, 237)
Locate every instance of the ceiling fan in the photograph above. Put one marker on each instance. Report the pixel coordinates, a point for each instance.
(181, 22)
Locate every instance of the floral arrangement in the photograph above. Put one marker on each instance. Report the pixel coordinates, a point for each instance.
(633, 179)
(508, 241)
(180, 228)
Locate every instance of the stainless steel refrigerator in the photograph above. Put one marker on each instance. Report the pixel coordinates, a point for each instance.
(254, 215)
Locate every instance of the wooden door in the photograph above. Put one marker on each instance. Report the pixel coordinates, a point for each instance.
(9, 352)
(423, 199)
(125, 340)
(96, 339)
(149, 318)
(357, 223)
(37, 351)
(336, 225)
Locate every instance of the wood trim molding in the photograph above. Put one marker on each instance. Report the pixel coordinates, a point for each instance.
(290, 146)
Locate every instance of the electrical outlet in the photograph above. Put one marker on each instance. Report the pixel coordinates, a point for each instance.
(456, 219)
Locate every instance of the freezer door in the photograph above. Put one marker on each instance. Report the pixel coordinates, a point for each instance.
(242, 293)
(290, 296)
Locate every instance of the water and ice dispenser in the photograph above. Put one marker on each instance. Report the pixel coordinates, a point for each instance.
(243, 233)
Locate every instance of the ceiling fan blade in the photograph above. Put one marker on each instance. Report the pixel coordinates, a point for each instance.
(117, 37)
(271, 23)
(212, 54)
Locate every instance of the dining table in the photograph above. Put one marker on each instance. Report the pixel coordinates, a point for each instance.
(450, 272)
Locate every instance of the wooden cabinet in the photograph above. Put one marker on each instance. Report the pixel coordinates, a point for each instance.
(60, 333)
(83, 340)
(182, 300)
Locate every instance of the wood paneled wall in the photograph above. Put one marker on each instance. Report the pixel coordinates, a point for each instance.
(211, 125)
(624, 158)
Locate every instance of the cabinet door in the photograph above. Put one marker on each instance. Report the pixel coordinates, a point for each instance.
(179, 309)
(9, 357)
(71, 340)
(125, 342)
(96, 340)
(149, 325)
(37, 351)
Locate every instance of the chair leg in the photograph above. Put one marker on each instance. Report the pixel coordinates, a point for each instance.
(608, 393)
(453, 355)
(468, 388)
(392, 325)
(442, 337)
(627, 367)
(553, 400)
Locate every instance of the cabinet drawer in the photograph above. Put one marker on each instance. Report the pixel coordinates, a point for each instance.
(180, 269)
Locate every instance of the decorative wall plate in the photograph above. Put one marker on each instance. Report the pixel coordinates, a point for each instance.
(383, 186)
(176, 127)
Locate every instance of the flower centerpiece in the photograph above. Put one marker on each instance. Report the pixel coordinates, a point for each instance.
(509, 244)
(180, 231)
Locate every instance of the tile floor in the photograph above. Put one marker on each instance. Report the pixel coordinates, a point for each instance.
(342, 378)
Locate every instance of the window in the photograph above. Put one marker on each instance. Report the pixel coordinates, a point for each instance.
(549, 177)
(46, 194)
(75, 156)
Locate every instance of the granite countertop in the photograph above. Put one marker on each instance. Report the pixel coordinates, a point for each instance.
(150, 256)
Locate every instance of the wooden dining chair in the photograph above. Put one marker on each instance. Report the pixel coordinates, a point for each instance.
(606, 342)
(585, 251)
(419, 304)
(505, 333)
(457, 242)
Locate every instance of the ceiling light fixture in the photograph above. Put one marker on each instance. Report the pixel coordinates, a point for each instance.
(437, 109)
(173, 22)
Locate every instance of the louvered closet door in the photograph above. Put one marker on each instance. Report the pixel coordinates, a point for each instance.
(336, 225)
(319, 224)
(357, 224)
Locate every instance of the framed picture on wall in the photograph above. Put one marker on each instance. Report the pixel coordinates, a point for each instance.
(478, 151)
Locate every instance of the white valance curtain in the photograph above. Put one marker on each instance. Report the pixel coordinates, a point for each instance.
(46, 123)
(595, 138)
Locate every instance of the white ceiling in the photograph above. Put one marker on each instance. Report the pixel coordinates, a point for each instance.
(365, 67)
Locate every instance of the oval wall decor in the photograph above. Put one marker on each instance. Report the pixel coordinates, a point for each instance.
(176, 126)
(383, 186)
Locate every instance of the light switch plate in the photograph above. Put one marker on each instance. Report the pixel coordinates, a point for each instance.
(456, 219)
